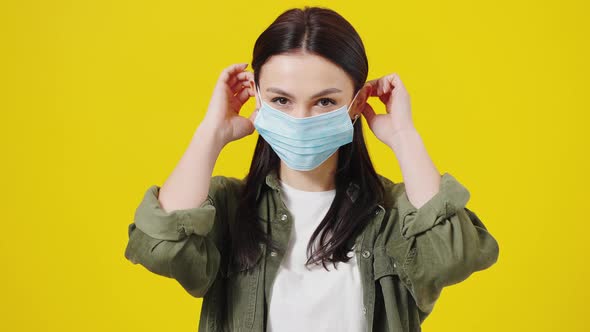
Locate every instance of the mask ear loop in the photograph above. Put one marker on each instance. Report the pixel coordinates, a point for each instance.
(356, 117)
(351, 103)
(259, 95)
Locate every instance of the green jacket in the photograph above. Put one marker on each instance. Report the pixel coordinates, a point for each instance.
(406, 255)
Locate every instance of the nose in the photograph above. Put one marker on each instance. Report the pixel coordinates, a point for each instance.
(301, 112)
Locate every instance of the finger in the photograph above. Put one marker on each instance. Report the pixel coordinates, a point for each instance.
(398, 84)
(241, 82)
(376, 87)
(238, 86)
(245, 75)
(243, 96)
(388, 84)
(385, 98)
(230, 71)
(384, 85)
(373, 84)
(240, 77)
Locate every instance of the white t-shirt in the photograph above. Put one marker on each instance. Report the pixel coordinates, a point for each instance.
(312, 298)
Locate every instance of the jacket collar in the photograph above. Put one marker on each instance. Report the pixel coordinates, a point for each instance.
(272, 181)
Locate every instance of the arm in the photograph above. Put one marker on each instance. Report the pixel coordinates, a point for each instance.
(169, 235)
(443, 242)
(180, 229)
(439, 244)
(437, 241)
(421, 178)
(181, 244)
(188, 185)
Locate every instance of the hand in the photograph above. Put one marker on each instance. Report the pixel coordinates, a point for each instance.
(392, 92)
(223, 120)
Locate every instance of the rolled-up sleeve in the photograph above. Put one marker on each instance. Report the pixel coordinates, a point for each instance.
(176, 244)
(174, 225)
(451, 197)
(439, 244)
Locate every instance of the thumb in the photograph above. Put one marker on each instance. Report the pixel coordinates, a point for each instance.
(253, 116)
(242, 126)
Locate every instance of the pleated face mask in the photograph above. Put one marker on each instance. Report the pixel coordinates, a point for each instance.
(304, 143)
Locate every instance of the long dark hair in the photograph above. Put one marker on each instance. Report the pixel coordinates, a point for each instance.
(326, 33)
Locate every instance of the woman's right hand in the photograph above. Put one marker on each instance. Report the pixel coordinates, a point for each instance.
(223, 120)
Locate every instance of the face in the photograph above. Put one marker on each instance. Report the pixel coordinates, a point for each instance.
(304, 85)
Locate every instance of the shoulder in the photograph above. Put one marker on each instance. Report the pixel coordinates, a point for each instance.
(223, 187)
(226, 182)
(391, 191)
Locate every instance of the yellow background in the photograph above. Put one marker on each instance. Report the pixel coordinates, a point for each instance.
(99, 99)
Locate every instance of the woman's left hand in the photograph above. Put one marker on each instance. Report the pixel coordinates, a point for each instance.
(392, 92)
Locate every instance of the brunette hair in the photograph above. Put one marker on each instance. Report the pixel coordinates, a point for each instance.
(323, 32)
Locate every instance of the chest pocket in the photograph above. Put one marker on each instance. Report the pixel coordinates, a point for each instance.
(383, 262)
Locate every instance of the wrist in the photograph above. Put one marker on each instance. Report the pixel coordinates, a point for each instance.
(207, 137)
(403, 137)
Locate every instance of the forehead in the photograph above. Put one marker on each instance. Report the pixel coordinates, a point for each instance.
(303, 74)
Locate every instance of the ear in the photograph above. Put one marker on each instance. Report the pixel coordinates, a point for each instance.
(359, 101)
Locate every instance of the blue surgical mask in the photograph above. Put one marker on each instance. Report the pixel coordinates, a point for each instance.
(304, 143)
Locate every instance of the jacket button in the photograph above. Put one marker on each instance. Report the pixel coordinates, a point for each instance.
(377, 211)
(364, 310)
(273, 254)
(366, 254)
(394, 265)
(283, 217)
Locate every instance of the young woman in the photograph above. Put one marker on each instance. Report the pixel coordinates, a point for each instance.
(256, 249)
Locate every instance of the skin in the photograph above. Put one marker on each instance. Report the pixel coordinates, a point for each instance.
(300, 76)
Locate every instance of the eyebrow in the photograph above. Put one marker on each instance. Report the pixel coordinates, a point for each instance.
(319, 94)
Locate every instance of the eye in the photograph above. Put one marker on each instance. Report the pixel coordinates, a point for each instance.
(328, 100)
(274, 100)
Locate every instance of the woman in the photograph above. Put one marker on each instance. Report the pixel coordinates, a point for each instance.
(256, 248)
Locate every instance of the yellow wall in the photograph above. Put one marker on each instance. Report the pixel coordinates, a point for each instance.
(100, 98)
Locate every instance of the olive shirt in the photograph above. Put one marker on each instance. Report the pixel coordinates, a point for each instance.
(405, 255)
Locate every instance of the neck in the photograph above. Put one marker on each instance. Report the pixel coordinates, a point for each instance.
(321, 178)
